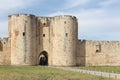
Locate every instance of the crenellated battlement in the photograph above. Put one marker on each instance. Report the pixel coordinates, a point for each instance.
(65, 17)
(22, 14)
(58, 16)
(103, 42)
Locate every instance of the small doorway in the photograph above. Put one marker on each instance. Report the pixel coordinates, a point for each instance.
(43, 58)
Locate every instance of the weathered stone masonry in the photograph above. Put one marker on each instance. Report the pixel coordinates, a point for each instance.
(35, 40)
(98, 53)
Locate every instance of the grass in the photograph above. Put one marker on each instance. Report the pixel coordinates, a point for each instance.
(42, 73)
(111, 69)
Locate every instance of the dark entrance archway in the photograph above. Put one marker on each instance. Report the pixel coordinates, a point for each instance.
(43, 58)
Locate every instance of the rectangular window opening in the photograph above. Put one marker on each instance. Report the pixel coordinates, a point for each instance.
(98, 48)
(23, 33)
(64, 22)
(66, 34)
(43, 35)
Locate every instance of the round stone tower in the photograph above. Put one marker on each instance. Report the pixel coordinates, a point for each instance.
(63, 40)
(22, 34)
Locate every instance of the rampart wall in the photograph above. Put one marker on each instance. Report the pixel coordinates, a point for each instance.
(5, 56)
(100, 53)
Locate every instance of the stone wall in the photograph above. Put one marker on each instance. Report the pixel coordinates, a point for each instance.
(99, 53)
(81, 54)
(5, 52)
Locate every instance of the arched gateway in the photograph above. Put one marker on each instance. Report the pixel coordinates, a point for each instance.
(43, 58)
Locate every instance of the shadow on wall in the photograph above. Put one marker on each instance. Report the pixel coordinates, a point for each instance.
(1, 46)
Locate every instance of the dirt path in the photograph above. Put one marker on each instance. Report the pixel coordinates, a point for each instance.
(97, 73)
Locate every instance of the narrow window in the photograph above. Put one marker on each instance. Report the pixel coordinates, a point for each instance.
(44, 24)
(66, 34)
(98, 48)
(64, 22)
(23, 33)
(25, 21)
(43, 35)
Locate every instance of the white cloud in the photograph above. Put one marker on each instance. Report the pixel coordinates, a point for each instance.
(57, 13)
(106, 3)
(74, 3)
(3, 28)
(99, 23)
(8, 5)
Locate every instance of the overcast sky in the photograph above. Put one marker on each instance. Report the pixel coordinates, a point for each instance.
(98, 19)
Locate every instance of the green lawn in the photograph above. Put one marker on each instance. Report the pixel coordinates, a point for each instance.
(111, 69)
(42, 73)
